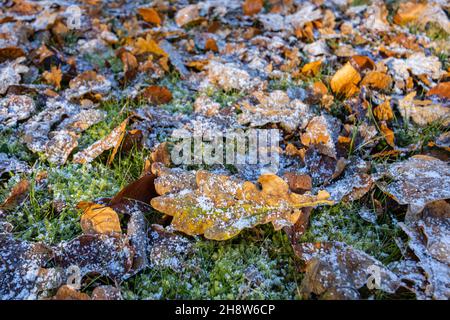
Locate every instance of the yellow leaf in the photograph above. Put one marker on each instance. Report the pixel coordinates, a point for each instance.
(345, 80)
(220, 206)
(148, 45)
(98, 219)
(312, 68)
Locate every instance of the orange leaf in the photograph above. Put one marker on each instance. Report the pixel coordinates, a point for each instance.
(150, 15)
(312, 68)
(98, 219)
(441, 89)
(148, 45)
(345, 80)
(211, 44)
(388, 134)
(53, 77)
(251, 7)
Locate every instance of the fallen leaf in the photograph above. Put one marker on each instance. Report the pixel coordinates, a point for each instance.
(416, 181)
(157, 95)
(422, 113)
(148, 45)
(321, 132)
(377, 80)
(312, 68)
(345, 80)
(441, 90)
(335, 271)
(66, 292)
(111, 141)
(384, 111)
(388, 134)
(276, 107)
(252, 7)
(220, 207)
(53, 77)
(150, 15)
(187, 15)
(99, 219)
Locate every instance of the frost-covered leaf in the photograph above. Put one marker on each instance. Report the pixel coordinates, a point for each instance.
(416, 181)
(335, 271)
(220, 206)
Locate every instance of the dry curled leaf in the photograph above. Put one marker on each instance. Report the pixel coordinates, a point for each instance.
(220, 207)
(99, 219)
(53, 77)
(423, 112)
(111, 141)
(384, 111)
(312, 68)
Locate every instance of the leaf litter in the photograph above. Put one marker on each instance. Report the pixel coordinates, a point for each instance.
(359, 94)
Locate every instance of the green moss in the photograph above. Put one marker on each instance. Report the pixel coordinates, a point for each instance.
(343, 223)
(258, 264)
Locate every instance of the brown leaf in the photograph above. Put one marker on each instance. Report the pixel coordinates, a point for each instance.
(161, 154)
(10, 53)
(98, 219)
(211, 45)
(150, 15)
(66, 292)
(148, 45)
(157, 95)
(53, 77)
(336, 271)
(142, 190)
(298, 183)
(252, 7)
(416, 181)
(130, 65)
(17, 195)
(111, 141)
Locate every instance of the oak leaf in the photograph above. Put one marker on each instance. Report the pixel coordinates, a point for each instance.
(220, 206)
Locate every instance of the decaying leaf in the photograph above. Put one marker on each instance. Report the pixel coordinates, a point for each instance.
(14, 108)
(220, 207)
(88, 82)
(423, 112)
(336, 271)
(99, 219)
(22, 266)
(10, 73)
(66, 292)
(111, 141)
(276, 107)
(345, 80)
(96, 254)
(416, 181)
(429, 239)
